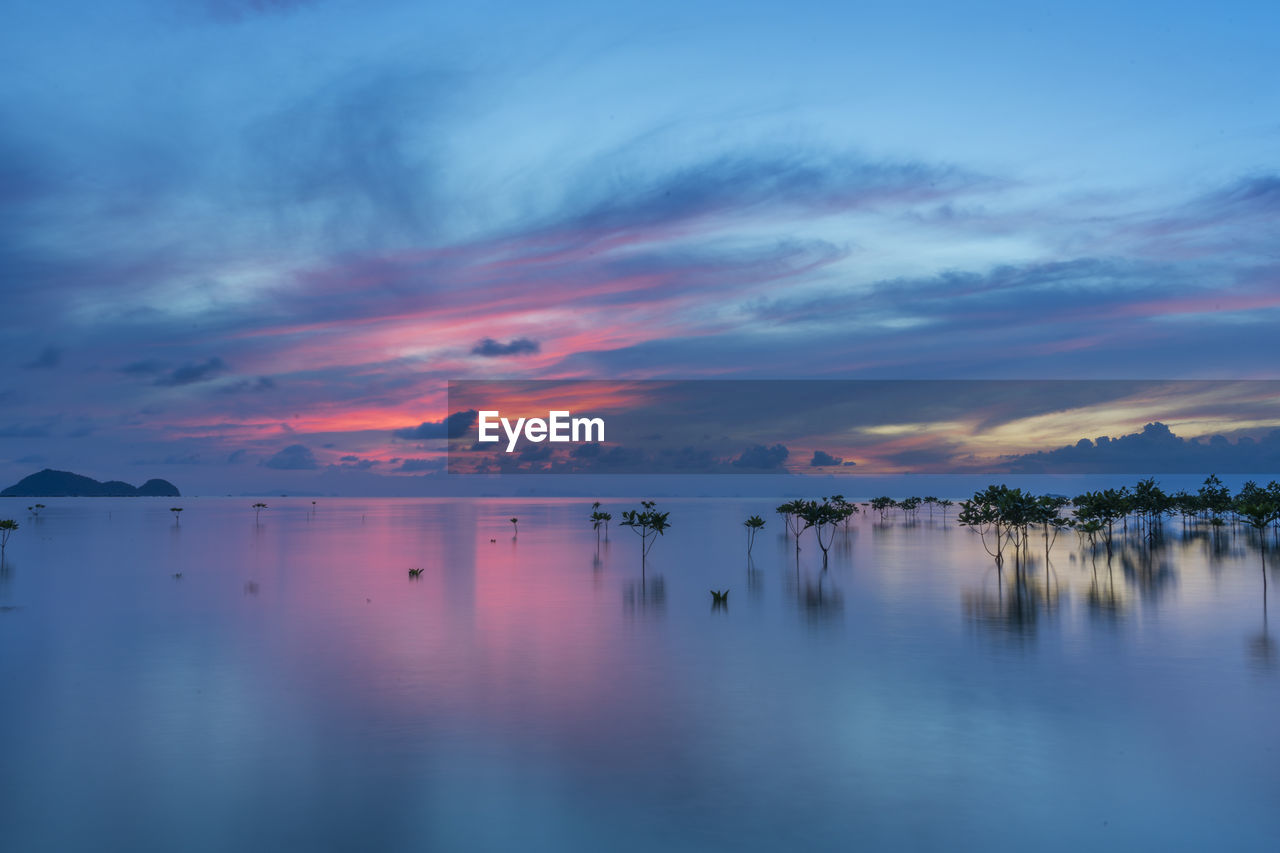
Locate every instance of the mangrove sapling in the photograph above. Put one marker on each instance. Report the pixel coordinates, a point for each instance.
(648, 524)
(980, 515)
(1185, 505)
(1215, 498)
(1089, 530)
(1150, 503)
(7, 528)
(790, 512)
(600, 520)
(1105, 507)
(944, 503)
(1259, 509)
(719, 599)
(753, 524)
(1002, 513)
(882, 505)
(177, 515)
(515, 524)
(257, 512)
(414, 574)
(823, 517)
(1048, 513)
(845, 508)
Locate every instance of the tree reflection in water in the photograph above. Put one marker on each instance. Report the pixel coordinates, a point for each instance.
(1010, 602)
(645, 597)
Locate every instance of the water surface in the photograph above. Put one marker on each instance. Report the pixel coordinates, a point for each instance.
(295, 689)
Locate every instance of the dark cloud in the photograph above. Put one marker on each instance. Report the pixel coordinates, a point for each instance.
(147, 367)
(355, 462)
(822, 459)
(249, 386)
(48, 357)
(454, 426)
(295, 457)
(736, 184)
(1156, 450)
(762, 457)
(189, 374)
(490, 348)
(531, 452)
(421, 465)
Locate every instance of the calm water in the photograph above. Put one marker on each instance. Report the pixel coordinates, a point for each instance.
(294, 689)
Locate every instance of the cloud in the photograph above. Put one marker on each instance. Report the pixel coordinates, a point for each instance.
(353, 461)
(189, 374)
(1156, 450)
(249, 386)
(822, 459)
(454, 426)
(762, 456)
(489, 348)
(145, 367)
(740, 183)
(295, 457)
(353, 162)
(48, 357)
(421, 465)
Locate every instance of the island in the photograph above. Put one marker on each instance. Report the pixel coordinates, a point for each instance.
(64, 484)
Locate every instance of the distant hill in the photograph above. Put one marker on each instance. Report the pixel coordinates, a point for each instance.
(63, 484)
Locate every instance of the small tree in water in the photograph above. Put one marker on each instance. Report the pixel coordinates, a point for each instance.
(600, 520)
(257, 511)
(176, 510)
(846, 509)
(1259, 508)
(882, 505)
(7, 527)
(790, 512)
(754, 524)
(515, 524)
(824, 517)
(648, 524)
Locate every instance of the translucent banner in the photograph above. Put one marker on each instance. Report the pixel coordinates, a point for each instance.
(864, 427)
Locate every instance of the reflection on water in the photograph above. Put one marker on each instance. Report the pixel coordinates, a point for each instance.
(281, 682)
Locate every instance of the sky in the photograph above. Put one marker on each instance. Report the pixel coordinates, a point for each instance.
(245, 244)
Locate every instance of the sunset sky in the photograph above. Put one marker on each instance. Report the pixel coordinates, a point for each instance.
(246, 243)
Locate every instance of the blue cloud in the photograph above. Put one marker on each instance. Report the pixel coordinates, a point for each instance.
(822, 459)
(762, 456)
(189, 374)
(490, 348)
(295, 457)
(454, 426)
